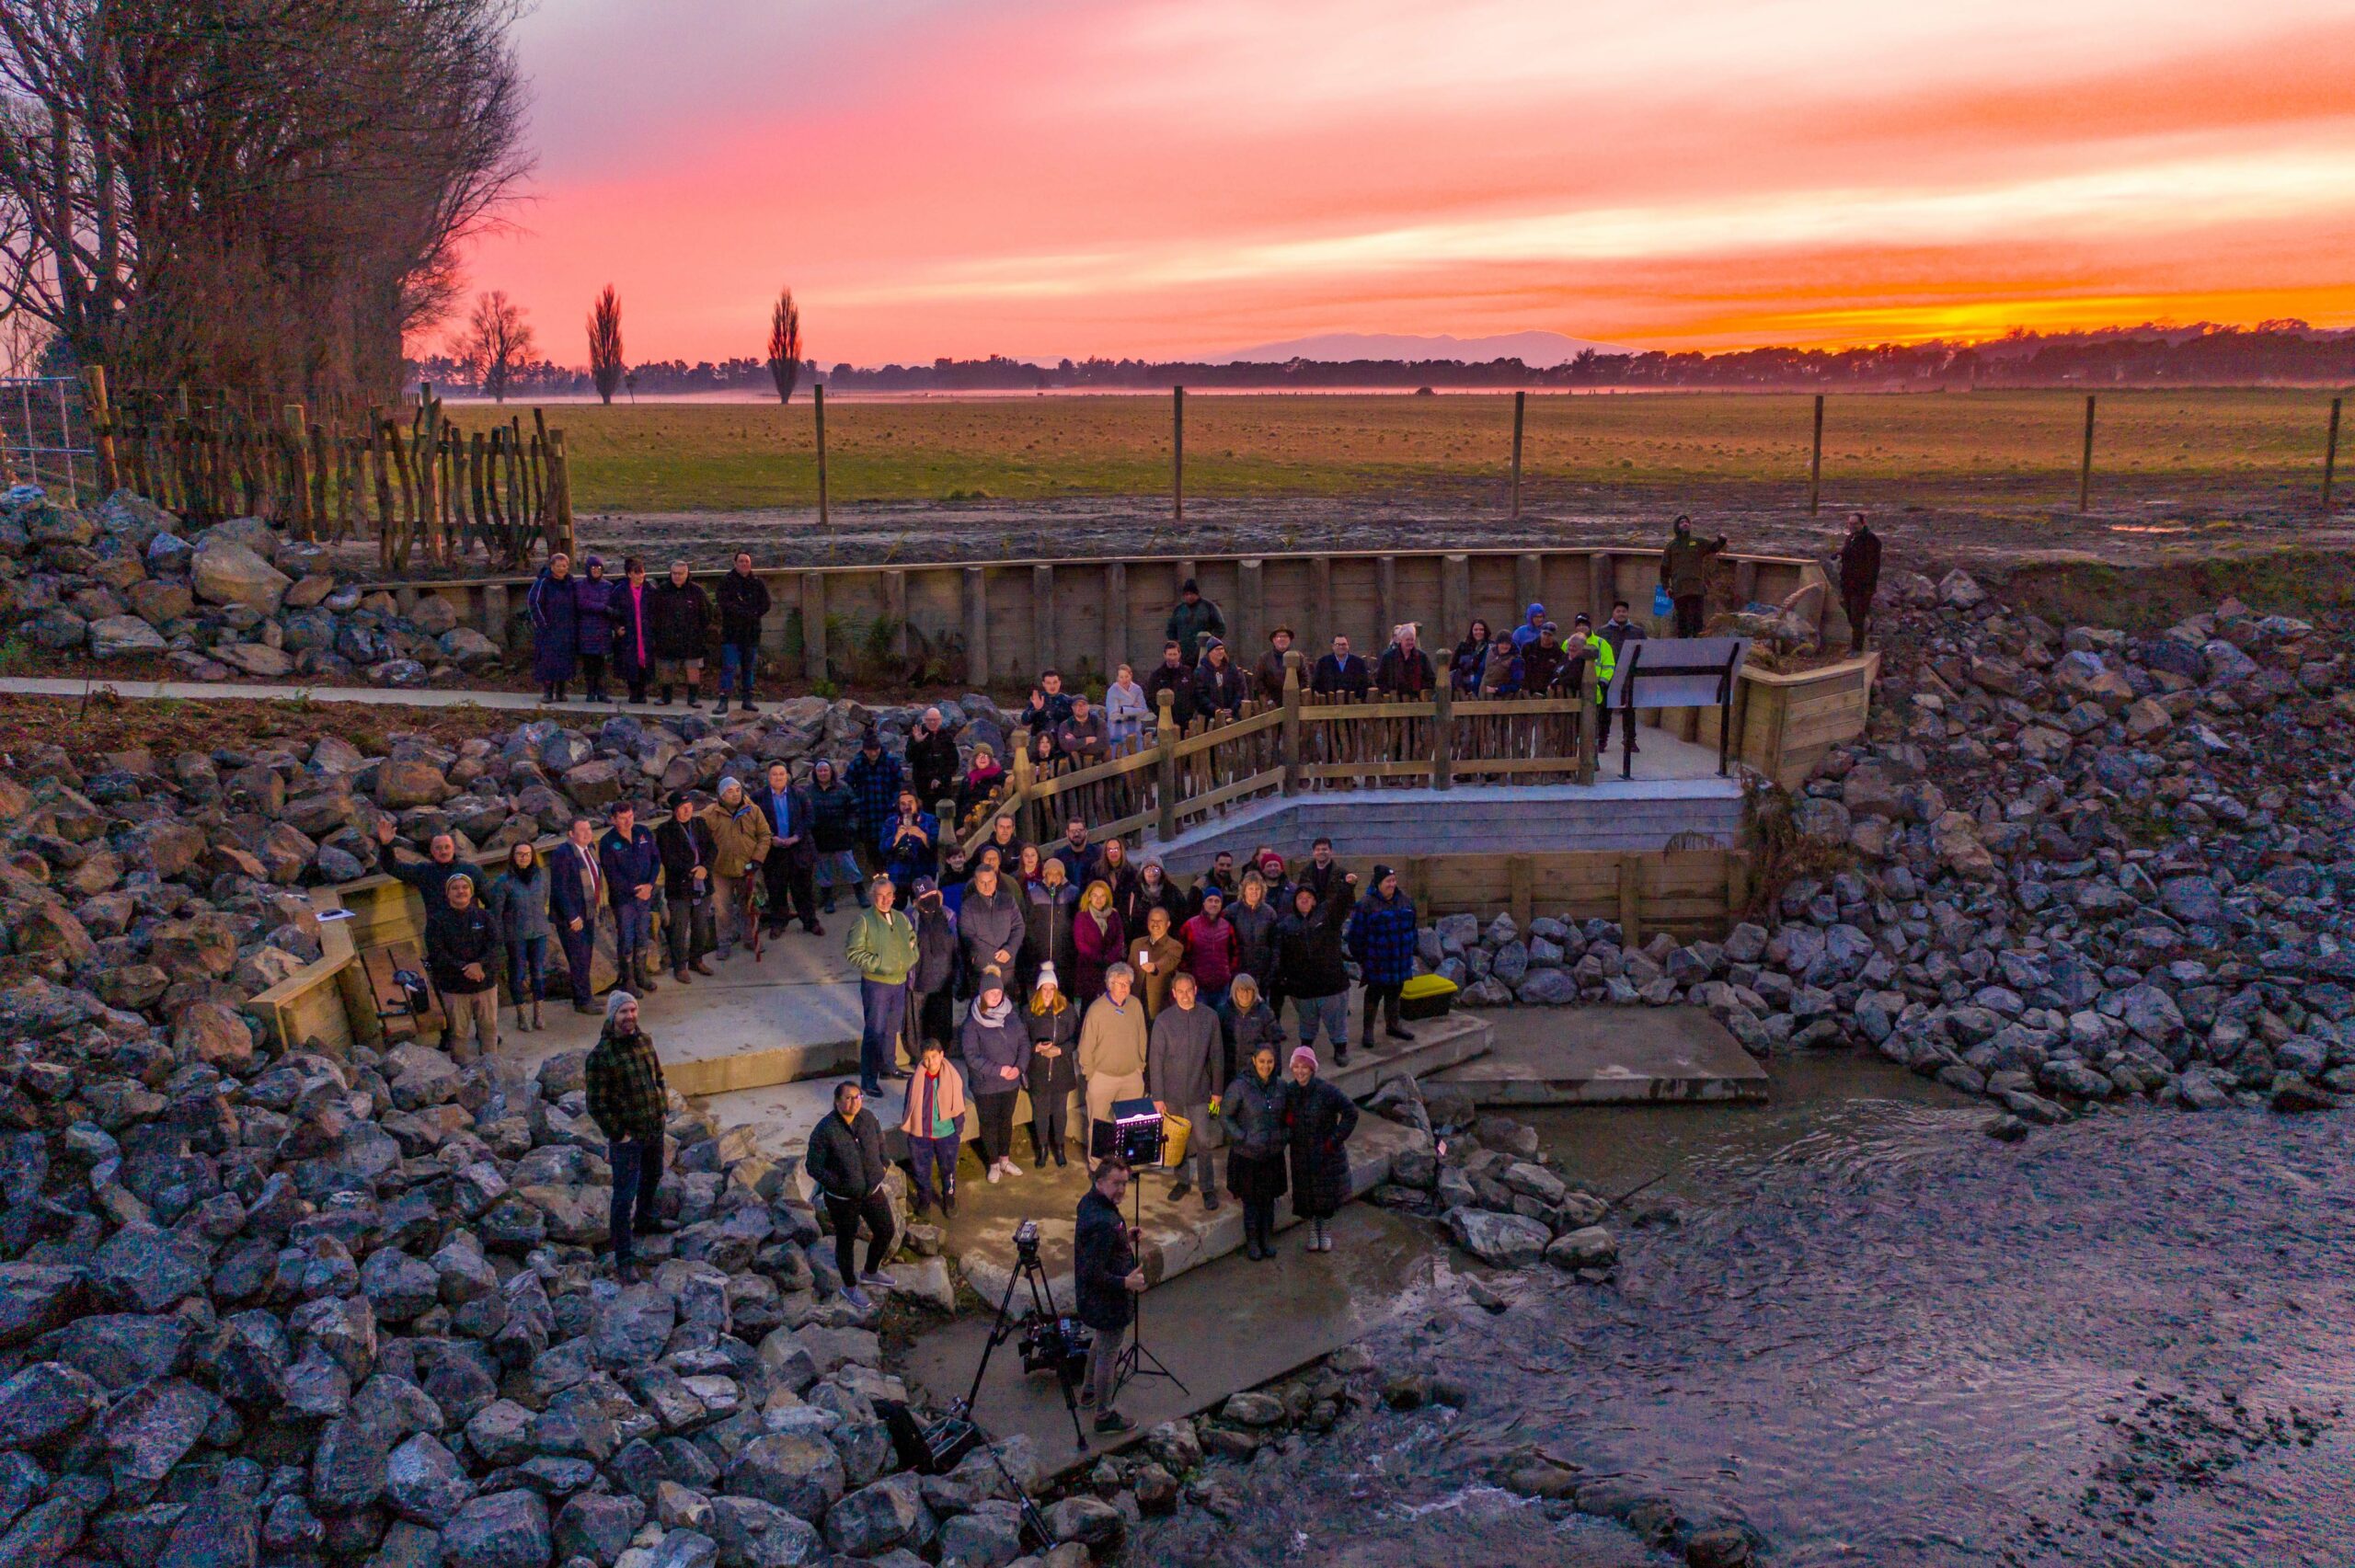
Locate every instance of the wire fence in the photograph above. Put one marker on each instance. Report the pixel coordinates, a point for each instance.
(45, 436)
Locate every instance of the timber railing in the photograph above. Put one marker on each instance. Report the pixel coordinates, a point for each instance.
(1183, 774)
(428, 492)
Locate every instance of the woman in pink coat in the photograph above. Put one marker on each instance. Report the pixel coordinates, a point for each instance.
(1097, 938)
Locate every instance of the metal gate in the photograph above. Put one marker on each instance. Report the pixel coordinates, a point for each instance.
(45, 437)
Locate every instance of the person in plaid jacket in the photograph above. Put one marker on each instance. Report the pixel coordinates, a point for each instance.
(629, 1104)
(873, 778)
(1382, 939)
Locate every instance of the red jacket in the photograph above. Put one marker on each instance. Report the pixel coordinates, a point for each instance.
(1095, 954)
(1212, 952)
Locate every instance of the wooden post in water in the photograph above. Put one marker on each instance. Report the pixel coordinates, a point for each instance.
(1520, 408)
(94, 387)
(1815, 463)
(1178, 454)
(2085, 463)
(2329, 457)
(818, 401)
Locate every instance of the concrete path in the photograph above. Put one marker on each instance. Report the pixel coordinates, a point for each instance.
(793, 1015)
(1221, 1329)
(1589, 1055)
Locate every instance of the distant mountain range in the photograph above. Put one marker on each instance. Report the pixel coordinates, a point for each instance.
(1539, 350)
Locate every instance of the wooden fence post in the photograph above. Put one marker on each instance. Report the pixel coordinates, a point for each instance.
(1631, 902)
(101, 419)
(1164, 740)
(818, 402)
(299, 520)
(2329, 457)
(2085, 463)
(438, 540)
(1520, 408)
(1589, 741)
(1178, 454)
(1815, 463)
(1443, 734)
(1521, 890)
(561, 490)
(1291, 721)
(1020, 773)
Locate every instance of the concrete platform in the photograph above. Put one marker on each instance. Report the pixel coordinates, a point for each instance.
(1439, 1044)
(1595, 1056)
(1228, 1327)
(1179, 1237)
(792, 1015)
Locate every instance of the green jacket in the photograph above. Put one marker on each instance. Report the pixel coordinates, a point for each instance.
(1685, 563)
(883, 947)
(1604, 662)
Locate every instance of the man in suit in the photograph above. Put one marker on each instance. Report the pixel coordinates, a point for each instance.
(791, 865)
(576, 892)
(1341, 672)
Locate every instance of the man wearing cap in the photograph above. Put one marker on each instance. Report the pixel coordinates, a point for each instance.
(932, 983)
(1219, 686)
(630, 1105)
(1532, 625)
(688, 853)
(873, 778)
(1382, 939)
(631, 864)
(1272, 665)
(463, 949)
(790, 860)
(1684, 572)
(1619, 631)
(739, 844)
(1192, 619)
(882, 948)
(1540, 663)
(1082, 736)
(1601, 661)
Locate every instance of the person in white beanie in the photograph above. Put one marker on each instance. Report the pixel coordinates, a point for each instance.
(1054, 1026)
(996, 1046)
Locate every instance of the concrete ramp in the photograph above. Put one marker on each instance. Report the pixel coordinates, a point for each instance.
(1600, 1055)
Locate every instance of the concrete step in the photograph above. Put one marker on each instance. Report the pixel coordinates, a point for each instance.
(1439, 1044)
(1606, 1055)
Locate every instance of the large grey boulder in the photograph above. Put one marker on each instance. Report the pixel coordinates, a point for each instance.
(796, 1470)
(874, 1519)
(424, 1482)
(754, 1534)
(124, 636)
(505, 1529)
(226, 572)
(1507, 1240)
(45, 1402)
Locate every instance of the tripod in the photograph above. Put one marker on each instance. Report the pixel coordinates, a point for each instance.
(1136, 1361)
(1043, 1311)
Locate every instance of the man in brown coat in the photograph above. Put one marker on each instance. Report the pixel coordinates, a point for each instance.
(1684, 572)
(740, 836)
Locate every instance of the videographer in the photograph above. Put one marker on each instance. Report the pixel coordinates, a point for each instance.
(1104, 1265)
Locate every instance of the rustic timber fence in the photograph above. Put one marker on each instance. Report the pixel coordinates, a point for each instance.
(1185, 774)
(428, 493)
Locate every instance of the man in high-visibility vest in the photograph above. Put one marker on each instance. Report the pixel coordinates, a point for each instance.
(1601, 661)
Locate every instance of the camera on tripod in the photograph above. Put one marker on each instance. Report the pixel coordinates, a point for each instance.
(1056, 1344)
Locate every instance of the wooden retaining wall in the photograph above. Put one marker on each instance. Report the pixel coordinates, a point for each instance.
(1783, 725)
(1689, 893)
(1014, 618)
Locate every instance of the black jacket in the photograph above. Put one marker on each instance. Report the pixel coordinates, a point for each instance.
(430, 878)
(743, 600)
(1255, 941)
(1142, 900)
(678, 619)
(1219, 688)
(802, 814)
(1253, 1110)
(1178, 683)
(1320, 1119)
(834, 810)
(1310, 956)
(1101, 1259)
(455, 938)
(683, 846)
(936, 946)
(846, 1162)
(1860, 565)
(932, 766)
(1404, 674)
(1332, 676)
(1055, 1074)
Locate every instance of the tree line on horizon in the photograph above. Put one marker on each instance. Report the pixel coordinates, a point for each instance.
(2154, 354)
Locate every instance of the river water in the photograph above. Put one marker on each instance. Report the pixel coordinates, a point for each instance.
(1875, 1335)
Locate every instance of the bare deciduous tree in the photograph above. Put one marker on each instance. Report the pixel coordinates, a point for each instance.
(496, 342)
(605, 344)
(785, 346)
(263, 193)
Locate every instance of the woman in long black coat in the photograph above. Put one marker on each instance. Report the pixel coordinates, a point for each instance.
(1318, 1118)
(1054, 1023)
(1253, 1110)
(553, 606)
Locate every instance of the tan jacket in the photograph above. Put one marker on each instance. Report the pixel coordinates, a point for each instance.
(739, 838)
(1112, 1040)
(1168, 956)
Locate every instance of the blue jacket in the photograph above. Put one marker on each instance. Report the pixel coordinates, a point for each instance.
(593, 609)
(909, 860)
(555, 606)
(629, 862)
(1382, 939)
(987, 1050)
(876, 786)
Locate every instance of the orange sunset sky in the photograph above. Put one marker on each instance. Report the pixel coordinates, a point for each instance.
(1038, 178)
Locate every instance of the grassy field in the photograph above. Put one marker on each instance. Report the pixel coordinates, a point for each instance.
(1945, 449)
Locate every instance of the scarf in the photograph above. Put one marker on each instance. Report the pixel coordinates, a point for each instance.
(992, 1017)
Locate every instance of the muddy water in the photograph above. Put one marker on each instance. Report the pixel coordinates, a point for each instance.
(1875, 1336)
